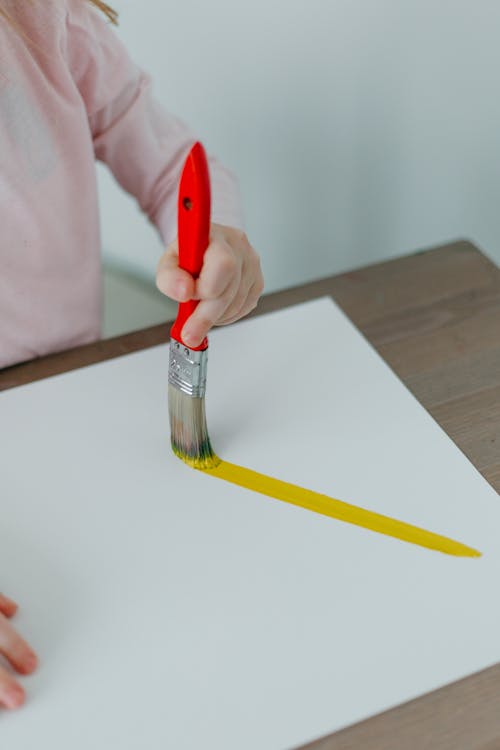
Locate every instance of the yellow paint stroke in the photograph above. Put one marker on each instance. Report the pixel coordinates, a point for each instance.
(329, 506)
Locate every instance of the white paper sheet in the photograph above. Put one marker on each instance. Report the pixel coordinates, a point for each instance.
(173, 610)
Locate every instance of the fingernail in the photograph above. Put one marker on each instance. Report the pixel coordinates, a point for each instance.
(14, 696)
(182, 289)
(188, 337)
(9, 602)
(31, 661)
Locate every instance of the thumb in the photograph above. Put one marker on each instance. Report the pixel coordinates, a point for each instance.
(172, 280)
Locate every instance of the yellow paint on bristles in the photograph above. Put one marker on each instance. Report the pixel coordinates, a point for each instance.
(328, 506)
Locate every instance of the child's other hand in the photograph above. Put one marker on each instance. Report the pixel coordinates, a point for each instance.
(229, 285)
(17, 652)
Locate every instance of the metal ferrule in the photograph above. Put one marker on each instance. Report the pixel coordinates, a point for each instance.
(188, 369)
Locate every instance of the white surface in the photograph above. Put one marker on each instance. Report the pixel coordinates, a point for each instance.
(173, 610)
(359, 130)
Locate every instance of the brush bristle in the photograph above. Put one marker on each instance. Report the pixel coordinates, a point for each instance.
(188, 428)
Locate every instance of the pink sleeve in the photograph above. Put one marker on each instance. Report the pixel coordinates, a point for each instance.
(143, 145)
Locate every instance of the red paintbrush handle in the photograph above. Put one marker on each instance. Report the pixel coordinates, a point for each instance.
(193, 228)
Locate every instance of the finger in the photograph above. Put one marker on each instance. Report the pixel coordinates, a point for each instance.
(237, 303)
(15, 649)
(11, 693)
(248, 296)
(249, 304)
(7, 606)
(202, 320)
(172, 280)
(221, 267)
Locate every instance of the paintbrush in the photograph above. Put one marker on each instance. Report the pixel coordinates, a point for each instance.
(187, 378)
(187, 374)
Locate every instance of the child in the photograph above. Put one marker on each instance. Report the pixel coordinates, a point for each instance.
(68, 94)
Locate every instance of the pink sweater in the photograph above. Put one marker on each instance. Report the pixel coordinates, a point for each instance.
(71, 96)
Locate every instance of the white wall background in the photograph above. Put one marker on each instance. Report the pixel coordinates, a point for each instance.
(359, 130)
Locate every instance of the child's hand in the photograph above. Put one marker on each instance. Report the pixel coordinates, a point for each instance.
(229, 285)
(17, 652)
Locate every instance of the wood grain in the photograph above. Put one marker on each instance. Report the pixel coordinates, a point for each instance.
(462, 716)
(435, 318)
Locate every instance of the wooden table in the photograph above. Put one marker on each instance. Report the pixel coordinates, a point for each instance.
(434, 316)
